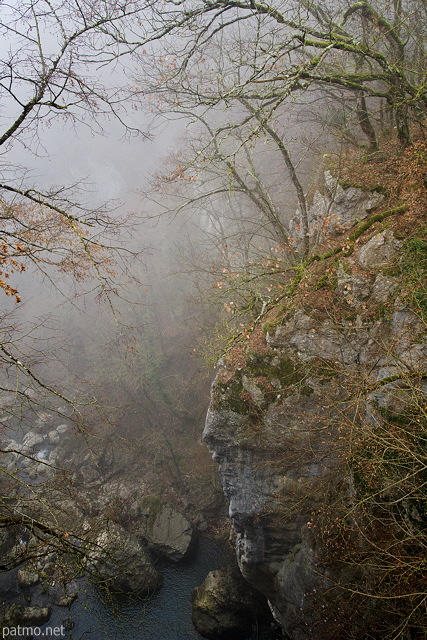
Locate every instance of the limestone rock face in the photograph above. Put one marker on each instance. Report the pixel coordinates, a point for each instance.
(226, 607)
(380, 251)
(121, 563)
(276, 421)
(166, 531)
(337, 207)
(171, 534)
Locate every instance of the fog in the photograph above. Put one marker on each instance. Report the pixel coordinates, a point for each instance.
(146, 224)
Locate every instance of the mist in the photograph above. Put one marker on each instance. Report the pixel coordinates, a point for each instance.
(154, 206)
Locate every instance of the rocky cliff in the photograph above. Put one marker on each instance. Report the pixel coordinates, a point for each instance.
(300, 414)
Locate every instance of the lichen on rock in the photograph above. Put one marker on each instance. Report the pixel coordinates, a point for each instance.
(293, 407)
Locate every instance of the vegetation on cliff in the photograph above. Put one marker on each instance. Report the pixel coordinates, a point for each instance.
(369, 280)
(273, 94)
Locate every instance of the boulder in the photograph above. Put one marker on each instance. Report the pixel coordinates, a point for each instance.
(27, 578)
(67, 600)
(168, 532)
(20, 616)
(171, 534)
(120, 562)
(226, 607)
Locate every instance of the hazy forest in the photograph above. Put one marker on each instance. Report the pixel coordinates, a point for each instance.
(159, 159)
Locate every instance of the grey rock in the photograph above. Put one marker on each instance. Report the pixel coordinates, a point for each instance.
(351, 287)
(87, 473)
(44, 422)
(304, 338)
(200, 522)
(277, 465)
(167, 532)
(42, 469)
(121, 563)
(27, 578)
(381, 250)
(383, 288)
(254, 391)
(53, 457)
(31, 440)
(225, 606)
(67, 600)
(171, 534)
(18, 615)
(54, 437)
(337, 209)
(10, 462)
(47, 564)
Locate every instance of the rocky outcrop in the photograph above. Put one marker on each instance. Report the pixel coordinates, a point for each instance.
(334, 208)
(27, 578)
(284, 408)
(166, 531)
(119, 562)
(225, 607)
(20, 616)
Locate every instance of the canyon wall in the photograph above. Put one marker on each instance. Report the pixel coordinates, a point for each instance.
(296, 397)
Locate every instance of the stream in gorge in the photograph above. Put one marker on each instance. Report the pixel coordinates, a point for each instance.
(165, 616)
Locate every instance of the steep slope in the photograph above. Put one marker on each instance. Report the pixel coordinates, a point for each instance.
(312, 423)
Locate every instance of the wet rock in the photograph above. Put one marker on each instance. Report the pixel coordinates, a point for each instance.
(121, 563)
(67, 600)
(47, 564)
(20, 616)
(200, 522)
(226, 607)
(27, 578)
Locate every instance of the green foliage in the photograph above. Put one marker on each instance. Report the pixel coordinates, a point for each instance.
(322, 282)
(378, 217)
(271, 366)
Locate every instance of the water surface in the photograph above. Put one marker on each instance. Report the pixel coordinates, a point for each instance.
(166, 616)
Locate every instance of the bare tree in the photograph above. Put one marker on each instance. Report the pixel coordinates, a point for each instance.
(55, 56)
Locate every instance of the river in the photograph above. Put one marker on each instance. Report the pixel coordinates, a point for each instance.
(166, 616)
